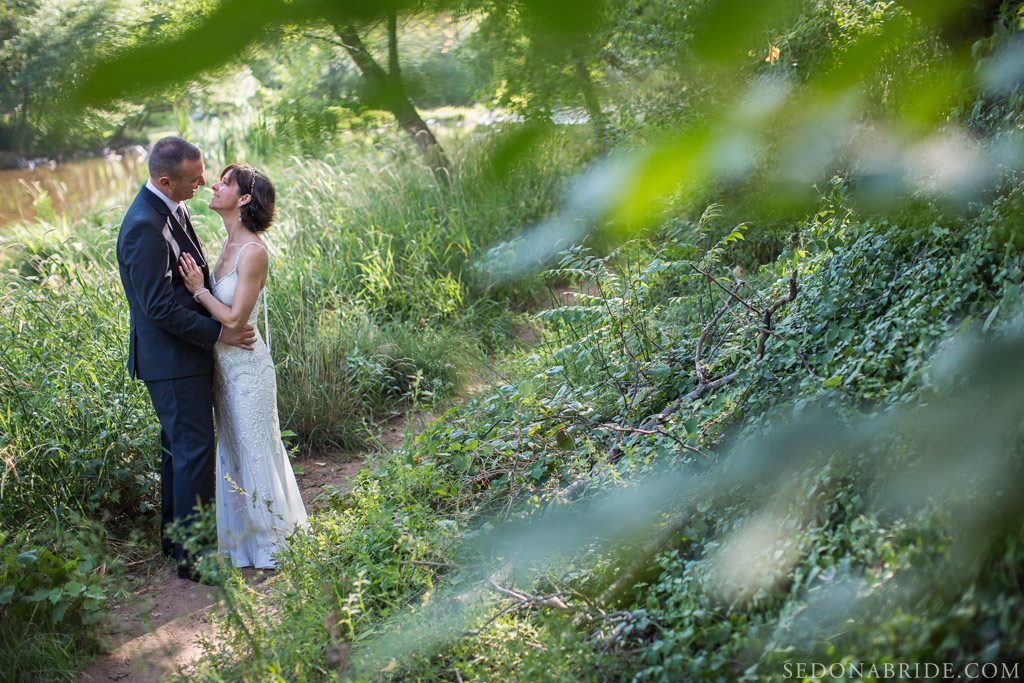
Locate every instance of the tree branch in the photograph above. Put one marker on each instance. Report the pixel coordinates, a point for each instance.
(767, 325)
(393, 44)
(324, 39)
(731, 293)
(359, 53)
(702, 377)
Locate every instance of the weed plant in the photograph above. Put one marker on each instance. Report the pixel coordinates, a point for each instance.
(372, 309)
(397, 578)
(371, 287)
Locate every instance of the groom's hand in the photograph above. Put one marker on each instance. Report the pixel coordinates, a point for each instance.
(243, 338)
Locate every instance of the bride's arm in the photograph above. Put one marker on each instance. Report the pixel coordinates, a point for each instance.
(251, 269)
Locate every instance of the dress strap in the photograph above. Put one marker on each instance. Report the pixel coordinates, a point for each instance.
(266, 318)
(239, 253)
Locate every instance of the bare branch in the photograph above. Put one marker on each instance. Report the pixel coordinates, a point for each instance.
(325, 39)
(702, 377)
(439, 565)
(656, 430)
(731, 293)
(779, 303)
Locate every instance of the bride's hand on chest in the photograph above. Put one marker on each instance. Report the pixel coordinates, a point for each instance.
(190, 273)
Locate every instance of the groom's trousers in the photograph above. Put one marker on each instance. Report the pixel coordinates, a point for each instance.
(184, 407)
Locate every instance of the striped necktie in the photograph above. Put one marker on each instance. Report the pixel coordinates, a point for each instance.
(190, 234)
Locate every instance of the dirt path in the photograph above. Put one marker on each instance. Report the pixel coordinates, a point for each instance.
(155, 634)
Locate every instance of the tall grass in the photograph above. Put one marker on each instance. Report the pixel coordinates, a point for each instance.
(77, 439)
(373, 297)
(373, 307)
(76, 433)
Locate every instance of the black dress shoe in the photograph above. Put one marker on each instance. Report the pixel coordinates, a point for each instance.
(196, 577)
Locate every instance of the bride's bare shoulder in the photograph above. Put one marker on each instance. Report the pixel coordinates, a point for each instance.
(255, 259)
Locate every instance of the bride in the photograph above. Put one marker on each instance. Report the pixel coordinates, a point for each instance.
(258, 502)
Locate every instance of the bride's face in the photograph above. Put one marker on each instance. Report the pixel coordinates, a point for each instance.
(226, 196)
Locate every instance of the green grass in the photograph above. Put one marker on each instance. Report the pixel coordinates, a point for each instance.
(376, 307)
(76, 432)
(391, 581)
(373, 298)
(373, 308)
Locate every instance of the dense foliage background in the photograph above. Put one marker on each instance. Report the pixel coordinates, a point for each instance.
(775, 419)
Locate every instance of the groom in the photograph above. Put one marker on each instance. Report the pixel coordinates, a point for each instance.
(171, 335)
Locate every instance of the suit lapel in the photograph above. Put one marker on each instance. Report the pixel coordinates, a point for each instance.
(178, 236)
(169, 237)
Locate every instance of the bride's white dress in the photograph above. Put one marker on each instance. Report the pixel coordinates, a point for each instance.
(258, 501)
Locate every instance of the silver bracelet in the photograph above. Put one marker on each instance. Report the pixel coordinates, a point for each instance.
(199, 291)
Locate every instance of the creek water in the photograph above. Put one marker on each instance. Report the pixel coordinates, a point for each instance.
(70, 189)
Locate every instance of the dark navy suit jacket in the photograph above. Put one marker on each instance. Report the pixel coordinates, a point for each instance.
(171, 335)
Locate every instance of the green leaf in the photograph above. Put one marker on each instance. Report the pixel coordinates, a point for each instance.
(57, 615)
(729, 27)
(991, 317)
(462, 462)
(6, 595)
(516, 146)
(28, 557)
(222, 36)
(537, 471)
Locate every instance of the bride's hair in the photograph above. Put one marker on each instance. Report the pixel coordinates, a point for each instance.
(258, 214)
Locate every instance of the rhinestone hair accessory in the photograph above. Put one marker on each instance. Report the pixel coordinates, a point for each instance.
(253, 186)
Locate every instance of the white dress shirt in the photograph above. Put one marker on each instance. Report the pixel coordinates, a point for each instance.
(171, 204)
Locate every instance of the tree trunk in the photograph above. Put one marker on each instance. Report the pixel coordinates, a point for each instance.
(391, 94)
(393, 69)
(22, 124)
